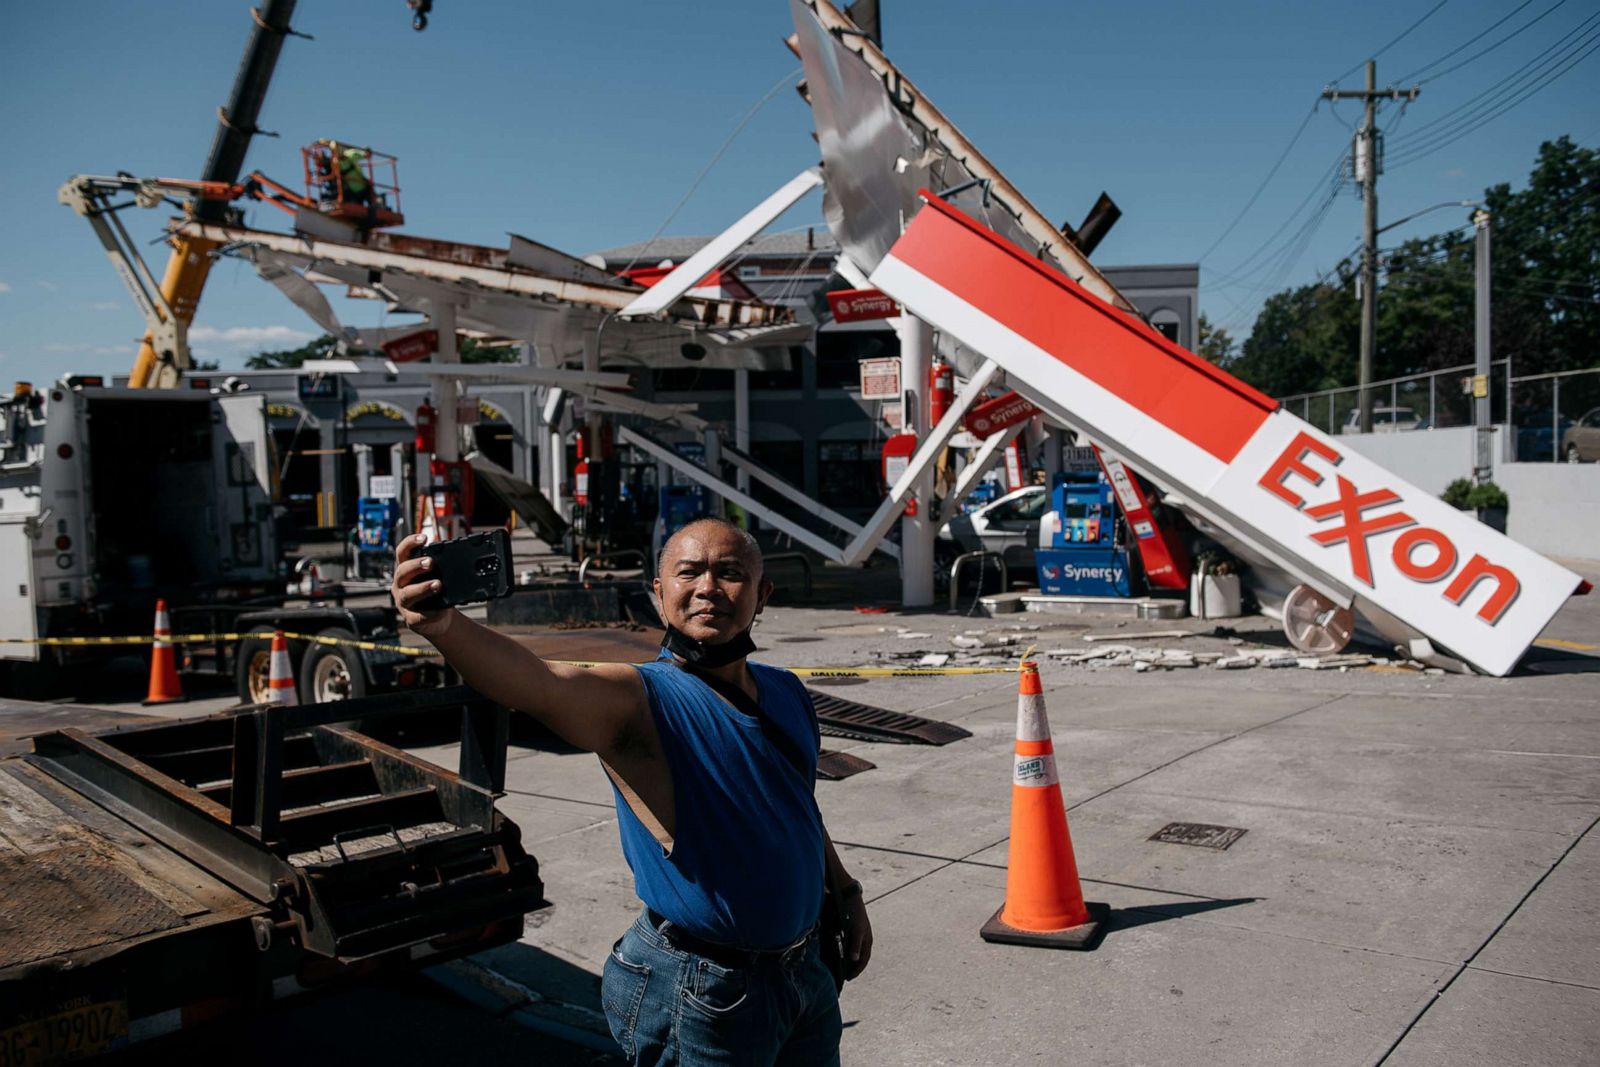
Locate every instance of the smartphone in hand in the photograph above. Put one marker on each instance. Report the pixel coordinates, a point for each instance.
(470, 570)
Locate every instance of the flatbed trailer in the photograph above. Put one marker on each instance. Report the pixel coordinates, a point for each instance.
(160, 874)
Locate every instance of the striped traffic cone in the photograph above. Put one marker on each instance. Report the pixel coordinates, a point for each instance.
(165, 688)
(280, 683)
(1044, 904)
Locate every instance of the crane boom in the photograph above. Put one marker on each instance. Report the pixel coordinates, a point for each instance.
(160, 366)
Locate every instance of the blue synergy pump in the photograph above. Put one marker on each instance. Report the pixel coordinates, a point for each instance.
(1080, 552)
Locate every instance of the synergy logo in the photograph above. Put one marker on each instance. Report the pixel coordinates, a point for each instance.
(1353, 516)
(1073, 573)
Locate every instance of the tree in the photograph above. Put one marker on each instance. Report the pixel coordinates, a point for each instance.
(289, 358)
(1304, 339)
(1544, 282)
(472, 350)
(1546, 278)
(1216, 345)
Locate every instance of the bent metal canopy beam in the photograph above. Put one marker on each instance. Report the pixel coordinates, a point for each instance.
(1334, 519)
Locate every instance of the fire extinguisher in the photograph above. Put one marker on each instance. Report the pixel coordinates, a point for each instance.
(580, 469)
(427, 428)
(941, 391)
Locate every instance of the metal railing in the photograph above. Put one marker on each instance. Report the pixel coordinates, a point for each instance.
(614, 557)
(1545, 411)
(967, 557)
(1542, 409)
(1426, 401)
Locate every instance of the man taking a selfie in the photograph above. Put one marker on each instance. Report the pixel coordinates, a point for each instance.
(713, 762)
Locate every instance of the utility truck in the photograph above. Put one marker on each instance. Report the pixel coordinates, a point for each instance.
(111, 498)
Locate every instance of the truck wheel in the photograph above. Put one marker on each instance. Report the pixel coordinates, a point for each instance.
(332, 672)
(252, 669)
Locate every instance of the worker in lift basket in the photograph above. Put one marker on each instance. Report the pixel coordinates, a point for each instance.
(712, 760)
(353, 175)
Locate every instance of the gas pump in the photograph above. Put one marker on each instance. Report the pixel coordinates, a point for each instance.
(1081, 552)
(679, 503)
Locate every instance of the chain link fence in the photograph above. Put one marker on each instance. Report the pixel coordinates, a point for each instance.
(1556, 416)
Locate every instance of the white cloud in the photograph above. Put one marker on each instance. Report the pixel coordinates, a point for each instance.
(4, 288)
(241, 337)
(49, 287)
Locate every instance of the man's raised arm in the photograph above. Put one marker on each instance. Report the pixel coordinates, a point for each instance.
(594, 708)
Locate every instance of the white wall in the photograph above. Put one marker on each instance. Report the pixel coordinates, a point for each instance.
(1428, 459)
(1555, 507)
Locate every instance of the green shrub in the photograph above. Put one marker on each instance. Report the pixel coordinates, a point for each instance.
(1488, 495)
(1458, 494)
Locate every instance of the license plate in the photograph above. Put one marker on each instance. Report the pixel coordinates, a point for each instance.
(67, 1035)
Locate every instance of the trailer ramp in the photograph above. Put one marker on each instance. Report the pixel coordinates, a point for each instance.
(1414, 566)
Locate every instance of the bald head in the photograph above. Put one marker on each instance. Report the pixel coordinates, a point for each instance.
(719, 530)
(709, 581)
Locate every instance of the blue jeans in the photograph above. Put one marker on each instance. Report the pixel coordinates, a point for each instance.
(670, 1007)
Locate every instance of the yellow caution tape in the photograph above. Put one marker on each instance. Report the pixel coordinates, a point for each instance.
(375, 646)
(894, 672)
(196, 639)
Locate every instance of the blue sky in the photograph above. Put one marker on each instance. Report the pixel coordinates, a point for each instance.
(582, 124)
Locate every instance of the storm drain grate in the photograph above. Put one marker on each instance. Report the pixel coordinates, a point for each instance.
(1199, 834)
(832, 766)
(863, 722)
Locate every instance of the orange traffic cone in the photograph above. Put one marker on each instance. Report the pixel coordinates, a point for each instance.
(1044, 903)
(164, 685)
(314, 582)
(280, 683)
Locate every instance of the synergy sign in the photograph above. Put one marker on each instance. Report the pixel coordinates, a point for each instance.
(1332, 518)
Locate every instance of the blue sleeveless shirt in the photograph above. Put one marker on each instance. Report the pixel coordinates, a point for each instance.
(747, 857)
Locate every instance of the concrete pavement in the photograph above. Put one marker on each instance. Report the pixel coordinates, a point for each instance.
(1414, 886)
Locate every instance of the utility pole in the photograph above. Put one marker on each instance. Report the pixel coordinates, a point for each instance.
(1483, 466)
(1366, 167)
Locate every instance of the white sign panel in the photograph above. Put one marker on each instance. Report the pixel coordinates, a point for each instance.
(880, 379)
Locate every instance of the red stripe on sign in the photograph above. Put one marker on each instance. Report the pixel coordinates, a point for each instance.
(1204, 404)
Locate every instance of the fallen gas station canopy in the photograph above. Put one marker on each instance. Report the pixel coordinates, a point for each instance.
(1334, 519)
(1003, 285)
(527, 291)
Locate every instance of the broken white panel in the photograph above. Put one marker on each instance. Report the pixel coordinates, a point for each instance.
(662, 295)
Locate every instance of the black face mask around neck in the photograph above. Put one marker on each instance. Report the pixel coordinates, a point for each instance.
(699, 654)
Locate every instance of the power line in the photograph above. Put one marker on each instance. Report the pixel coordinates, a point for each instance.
(1403, 34)
(1419, 151)
(1260, 188)
(1468, 43)
(712, 162)
(1238, 271)
(1293, 140)
(1517, 75)
(1508, 37)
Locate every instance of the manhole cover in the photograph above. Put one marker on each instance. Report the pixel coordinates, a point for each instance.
(1199, 834)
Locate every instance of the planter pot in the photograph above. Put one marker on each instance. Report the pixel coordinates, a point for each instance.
(1213, 596)
(1494, 518)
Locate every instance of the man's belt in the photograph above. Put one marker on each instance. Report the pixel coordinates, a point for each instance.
(720, 954)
